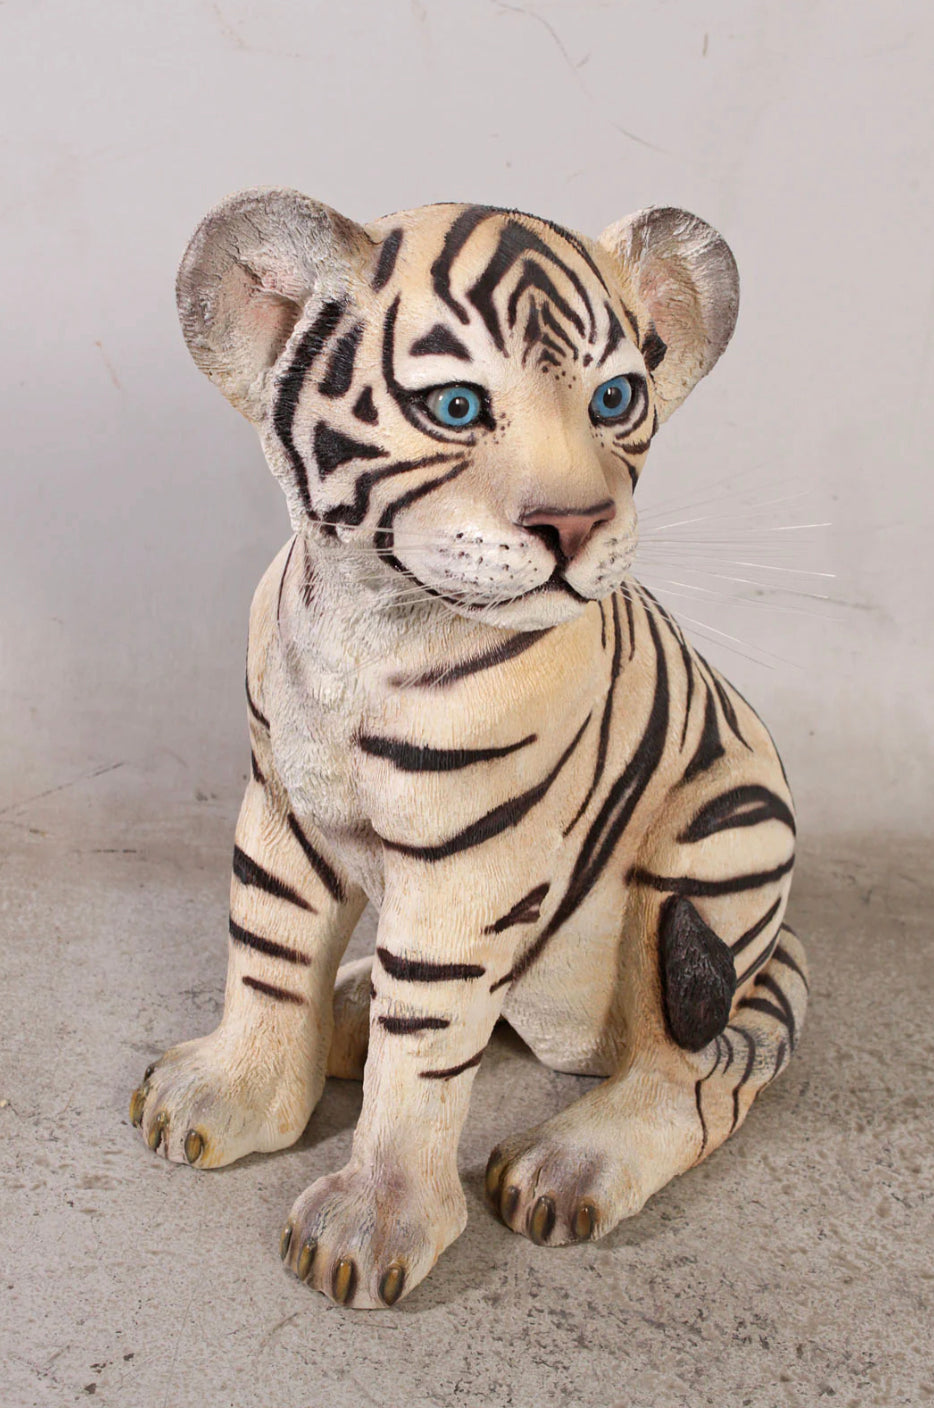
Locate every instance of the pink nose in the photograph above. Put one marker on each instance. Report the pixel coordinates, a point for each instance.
(566, 530)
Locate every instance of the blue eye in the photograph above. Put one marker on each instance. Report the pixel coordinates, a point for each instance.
(612, 400)
(456, 406)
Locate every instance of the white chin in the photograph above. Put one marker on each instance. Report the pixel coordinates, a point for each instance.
(534, 612)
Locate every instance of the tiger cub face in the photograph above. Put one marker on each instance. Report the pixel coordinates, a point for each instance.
(460, 398)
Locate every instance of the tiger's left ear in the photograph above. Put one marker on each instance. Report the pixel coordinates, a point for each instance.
(681, 273)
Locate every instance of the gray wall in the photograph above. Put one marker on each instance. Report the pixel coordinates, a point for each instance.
(137, 511)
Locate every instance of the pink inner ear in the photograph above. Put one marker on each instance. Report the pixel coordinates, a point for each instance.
(269, 319)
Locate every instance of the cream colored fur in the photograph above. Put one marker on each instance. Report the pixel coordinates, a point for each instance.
(475, 718)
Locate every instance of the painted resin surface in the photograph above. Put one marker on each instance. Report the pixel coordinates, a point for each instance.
(464, 708)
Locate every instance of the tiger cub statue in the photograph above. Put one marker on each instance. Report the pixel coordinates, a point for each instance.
(464, 708)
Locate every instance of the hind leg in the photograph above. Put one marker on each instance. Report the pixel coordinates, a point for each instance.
(703, 1039)
(351, 1008)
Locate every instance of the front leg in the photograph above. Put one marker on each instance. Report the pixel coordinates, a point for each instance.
(368, 1234)
(252, 1084)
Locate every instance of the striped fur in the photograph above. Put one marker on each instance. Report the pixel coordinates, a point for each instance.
(463, 707)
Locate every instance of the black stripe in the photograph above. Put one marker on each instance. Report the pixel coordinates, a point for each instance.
(254, 769)
(408, 757)
(614, 337)
(493, 823)
(401, 1026)
(255, 941)
(750, 1062)
(332, 448)
(779, 1058)
(757, 963)
(251, 705)
(741, 806)
(709, 745)
(440, 341)
(605, 722)
(700, 1116)
(653, 350)
(746, 939)
(339, 374)
(514, 242)
(280, 994)
(290, 385)
(630, 624)
(781, 955)
(688, 885)
(409, 401)
(452, 1070)
(328, 877)
(549, 318)
(615, 814)
(444, 675)
(524, 911)
(681, 643)
(457, 236)
(417, 970)
(248, 872)
(364, 408)
(762, 1004)
(726, 704)
(353, 514)
(770, 985)
(388, 253)
(533, 276)
(384, 534)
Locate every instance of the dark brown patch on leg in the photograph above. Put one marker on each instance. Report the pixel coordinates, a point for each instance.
(698, 978)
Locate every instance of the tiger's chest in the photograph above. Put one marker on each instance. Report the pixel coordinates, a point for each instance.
(382, 732)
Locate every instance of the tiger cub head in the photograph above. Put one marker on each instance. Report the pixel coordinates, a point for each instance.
(458, 399)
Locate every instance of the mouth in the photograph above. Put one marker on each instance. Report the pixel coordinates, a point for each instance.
(554, 583)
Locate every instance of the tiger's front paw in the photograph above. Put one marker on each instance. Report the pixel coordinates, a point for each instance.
(208, 1102)
(365, 1239)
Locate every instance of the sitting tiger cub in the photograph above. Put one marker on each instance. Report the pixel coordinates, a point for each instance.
(464, 708)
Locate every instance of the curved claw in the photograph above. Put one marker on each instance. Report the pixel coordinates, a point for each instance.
(306, 1259)
(285, 1240)
(542, 1220)
(344, 1281)
(158, 1130)
(585, 1220)
(138, 1104)
(194, 1146)
(392, 1283)
(508, 1203)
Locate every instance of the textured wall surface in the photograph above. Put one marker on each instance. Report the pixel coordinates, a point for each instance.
(138, 512)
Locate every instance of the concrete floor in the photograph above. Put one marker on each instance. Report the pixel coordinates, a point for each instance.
(794, 1268)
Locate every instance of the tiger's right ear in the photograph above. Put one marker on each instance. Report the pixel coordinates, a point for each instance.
(251, 267)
